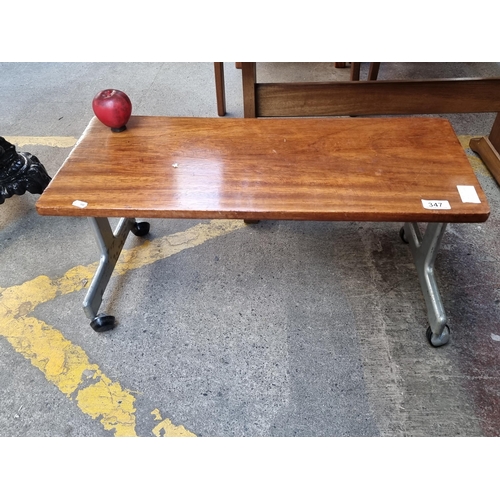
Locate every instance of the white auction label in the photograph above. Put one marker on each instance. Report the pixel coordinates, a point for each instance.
(80, 204)
(468, 194)
(436, 204)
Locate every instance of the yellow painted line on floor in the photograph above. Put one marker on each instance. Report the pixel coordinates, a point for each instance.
(465, 140)
(56, 141)
(65, 364)
(167, 429)
(475, 161)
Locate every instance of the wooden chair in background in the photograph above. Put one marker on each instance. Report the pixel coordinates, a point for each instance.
(220, 88)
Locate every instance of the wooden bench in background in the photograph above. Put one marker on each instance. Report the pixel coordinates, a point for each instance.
(347, 169)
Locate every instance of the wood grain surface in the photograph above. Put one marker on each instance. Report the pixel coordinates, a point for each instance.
(372, 169)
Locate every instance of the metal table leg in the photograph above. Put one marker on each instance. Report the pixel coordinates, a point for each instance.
(424, 250)
(110, 245)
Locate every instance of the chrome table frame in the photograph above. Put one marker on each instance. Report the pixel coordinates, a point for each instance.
(424, 249)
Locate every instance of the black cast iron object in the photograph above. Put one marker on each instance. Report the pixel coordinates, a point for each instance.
(20, 172)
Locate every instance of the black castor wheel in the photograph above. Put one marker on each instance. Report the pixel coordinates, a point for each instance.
(443, 339)
(402, 235)
(140, 228)
(103, 323)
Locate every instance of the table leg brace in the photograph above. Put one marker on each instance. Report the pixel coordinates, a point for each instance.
(424, 250)
(110, 244)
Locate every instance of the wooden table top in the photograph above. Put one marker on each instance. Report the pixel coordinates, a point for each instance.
(352, 169)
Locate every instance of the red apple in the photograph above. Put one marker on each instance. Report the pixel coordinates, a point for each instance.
(113, 108)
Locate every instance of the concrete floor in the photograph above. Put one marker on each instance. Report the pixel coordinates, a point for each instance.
(277, 329)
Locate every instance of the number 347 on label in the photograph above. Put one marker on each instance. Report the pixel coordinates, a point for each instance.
(436, 204)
